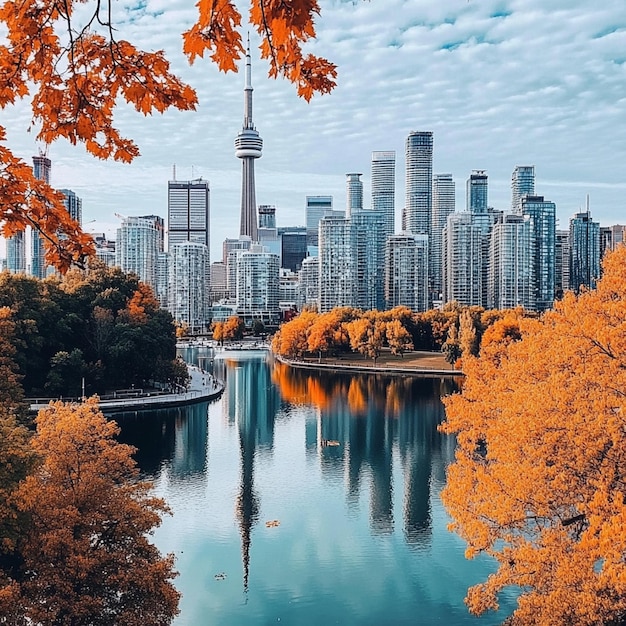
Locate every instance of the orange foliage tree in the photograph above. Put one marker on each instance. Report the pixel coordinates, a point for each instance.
(76, 73)
(87, 555)
(538, 481)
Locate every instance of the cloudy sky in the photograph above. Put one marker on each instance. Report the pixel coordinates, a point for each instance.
(499, 82)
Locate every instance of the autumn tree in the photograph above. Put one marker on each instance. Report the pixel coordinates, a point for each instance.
(218, 332)
(76, 73)
(321, 336)
(233, 328)
(398, 337)
(538, 481)
(291, 341)
(87, 554)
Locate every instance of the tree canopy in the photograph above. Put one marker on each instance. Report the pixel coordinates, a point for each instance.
(538, 482)
(76, 73)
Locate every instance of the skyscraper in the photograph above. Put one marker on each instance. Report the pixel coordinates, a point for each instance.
(188, 291)
(522, 184)
(187, 212)
(73, 205)
(316, 208)
(336, 270)
(248, 146)
(561, 263)
(354, 193)
(477, 192)
(416, 215)
(41, 169)
(384, 187)
(258, 278)
(406, 271)
(137, 249)
(510, 281)
(543, 224)
(443, 205)
(584, 237)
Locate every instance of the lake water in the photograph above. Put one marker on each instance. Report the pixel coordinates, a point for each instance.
(308, 498)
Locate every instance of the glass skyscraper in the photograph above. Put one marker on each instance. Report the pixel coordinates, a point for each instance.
(406, 271)
(416, 215)
(384, 187)
(522, 184)
(584, 237)
(187, 212)
(477, 192)
(443, 205)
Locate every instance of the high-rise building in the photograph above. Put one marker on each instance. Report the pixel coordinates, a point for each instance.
(522, 184)
(584, 237)
(188, 291)
(16, 253)
(477, 189)
(384, 187)
(406, 271)
(219, 290)
(354, 193)
(611, 237)
(367, 249)
(41, 169)
(159, 224)
(137, 248)
(316, 208)
(248, 147)
(542, 213)
(188, 210)
(293, 249)
(416, 215)
(510, 281)
(258, 279)
(310, 281)
(463, 260)
(267, 216)
(161, 289)
(561, 263)
(336, 270)
(443, 205)
(73, 205)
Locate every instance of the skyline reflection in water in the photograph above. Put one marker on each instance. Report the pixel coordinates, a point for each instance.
(348, 467)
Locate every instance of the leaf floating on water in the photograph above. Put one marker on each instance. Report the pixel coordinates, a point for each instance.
(272, 523)
(220, 576)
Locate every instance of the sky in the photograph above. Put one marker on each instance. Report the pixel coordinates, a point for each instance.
(499, 82)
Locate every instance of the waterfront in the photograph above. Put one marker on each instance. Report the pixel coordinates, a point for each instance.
(306, 498)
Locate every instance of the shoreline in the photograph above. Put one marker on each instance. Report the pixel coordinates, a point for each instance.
(386, 368)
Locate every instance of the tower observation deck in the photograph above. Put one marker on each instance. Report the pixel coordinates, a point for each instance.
(248, 147)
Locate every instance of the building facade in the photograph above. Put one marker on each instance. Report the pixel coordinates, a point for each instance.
(258, 286)
(383, 184)
(336, 269)
(522, 184)
(443, 206)
(416, 215)
(584, 237)
(406, 271)
(137, 248)
(188, 212)
(354, 193)
(477, 192)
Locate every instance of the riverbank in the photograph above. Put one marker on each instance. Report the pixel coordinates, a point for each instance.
(421, 364)
(202, 387)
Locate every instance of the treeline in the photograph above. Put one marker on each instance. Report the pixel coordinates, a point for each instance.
(100, 325)
(454, 330)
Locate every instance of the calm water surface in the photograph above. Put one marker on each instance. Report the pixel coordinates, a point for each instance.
(358, 532)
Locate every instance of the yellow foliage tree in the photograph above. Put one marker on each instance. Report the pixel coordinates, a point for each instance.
(538, 482)
(76, 73)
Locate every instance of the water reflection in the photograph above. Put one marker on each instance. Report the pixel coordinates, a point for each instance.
(369, 416)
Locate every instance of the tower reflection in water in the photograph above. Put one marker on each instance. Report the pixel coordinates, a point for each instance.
(361, 422)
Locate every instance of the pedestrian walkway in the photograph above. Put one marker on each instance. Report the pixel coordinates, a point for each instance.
(202, 387)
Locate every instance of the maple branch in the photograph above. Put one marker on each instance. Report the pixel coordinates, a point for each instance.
(268, 34)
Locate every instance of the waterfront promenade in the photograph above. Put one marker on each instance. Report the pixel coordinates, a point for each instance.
(201, 388)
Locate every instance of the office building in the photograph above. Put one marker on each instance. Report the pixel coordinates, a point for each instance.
(189, 285)
(267, 216)
(510, 281)
(406, 271)
(383, 184)
(293, 248)
(161, 289)
(522, 184)
(74, 205)
(542, 213)
(416, 215)
(477, 192)
(316, 208)
(611, 237)
(137, 248)
(584, 237)
(463, 260)
(248, 148)
(443, 206)
(188, 212)
(16, 253)
(354, 193)
(219, 291)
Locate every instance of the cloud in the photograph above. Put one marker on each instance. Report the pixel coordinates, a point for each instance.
(500, 82)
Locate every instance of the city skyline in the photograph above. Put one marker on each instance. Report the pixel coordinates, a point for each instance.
(460, 71)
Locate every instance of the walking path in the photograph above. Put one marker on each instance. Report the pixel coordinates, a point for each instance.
(202, 387)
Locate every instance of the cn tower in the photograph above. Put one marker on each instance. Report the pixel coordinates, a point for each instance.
(248, 146)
